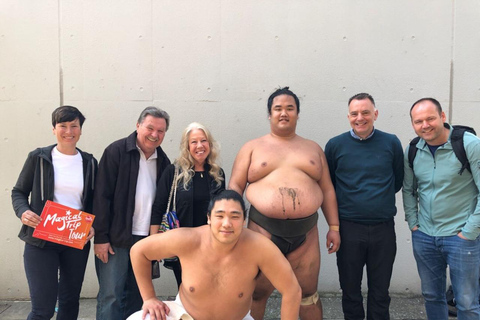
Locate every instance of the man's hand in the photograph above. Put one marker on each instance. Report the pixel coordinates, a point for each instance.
(31, 219)
(461, 236)
(333, 241)
(415, 228)
(102, 250)
(156, 308)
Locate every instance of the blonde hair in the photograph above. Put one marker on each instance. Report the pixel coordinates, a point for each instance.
(185, 160)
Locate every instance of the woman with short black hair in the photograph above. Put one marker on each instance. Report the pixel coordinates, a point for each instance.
(64, 174)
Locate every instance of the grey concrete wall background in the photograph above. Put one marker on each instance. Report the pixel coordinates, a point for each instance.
(216, 62)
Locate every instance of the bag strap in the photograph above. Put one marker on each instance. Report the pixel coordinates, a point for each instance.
(458, 146)
(412, 151)
(173, 192)
(175, 182)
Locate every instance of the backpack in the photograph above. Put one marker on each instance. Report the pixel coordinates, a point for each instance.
(456, 139)
(451, 303)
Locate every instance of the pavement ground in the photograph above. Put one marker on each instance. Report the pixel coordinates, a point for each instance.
(403, 307)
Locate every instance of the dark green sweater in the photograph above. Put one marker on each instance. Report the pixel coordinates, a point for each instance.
(366, 175)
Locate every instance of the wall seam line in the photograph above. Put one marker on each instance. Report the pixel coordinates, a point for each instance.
(60, 69)
(452, 67)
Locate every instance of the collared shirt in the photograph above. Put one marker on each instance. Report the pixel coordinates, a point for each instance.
(353, 134)
(145, 193)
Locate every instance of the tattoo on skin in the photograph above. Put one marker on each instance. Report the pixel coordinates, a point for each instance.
(290, 193)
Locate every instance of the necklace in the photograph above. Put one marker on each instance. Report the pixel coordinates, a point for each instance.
(201, 174)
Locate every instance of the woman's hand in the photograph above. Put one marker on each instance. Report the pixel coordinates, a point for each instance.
(90, 234)
(30, 218)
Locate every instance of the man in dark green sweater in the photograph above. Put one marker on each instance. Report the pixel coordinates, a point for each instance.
(366, 167)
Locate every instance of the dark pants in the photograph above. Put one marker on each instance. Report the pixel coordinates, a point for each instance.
(55, 271)
(178, 275)
(176, 267)
(374, 246)
(118, 295)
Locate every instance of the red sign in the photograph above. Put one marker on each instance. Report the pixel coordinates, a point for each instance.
(64, 225)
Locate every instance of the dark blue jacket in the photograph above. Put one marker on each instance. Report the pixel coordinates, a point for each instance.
(115, 190)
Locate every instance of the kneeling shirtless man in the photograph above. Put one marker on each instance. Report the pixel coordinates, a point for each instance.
(220, 264)
(288, 181)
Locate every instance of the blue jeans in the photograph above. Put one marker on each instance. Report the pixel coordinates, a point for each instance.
(433, 254)
(373, 246)
(55, 271)
(118, 295)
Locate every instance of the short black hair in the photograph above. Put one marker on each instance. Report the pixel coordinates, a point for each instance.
(67, 114)
(432, 100)
(226, 195)
(156, 113)
(279, 92)
(362, 96)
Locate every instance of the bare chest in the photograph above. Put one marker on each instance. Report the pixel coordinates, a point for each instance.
(289, 157)
(231, 278)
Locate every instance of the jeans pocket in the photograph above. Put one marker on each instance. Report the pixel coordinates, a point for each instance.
(466, 242)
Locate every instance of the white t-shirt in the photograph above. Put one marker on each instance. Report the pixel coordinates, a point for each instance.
(68, 177)
(145, 194)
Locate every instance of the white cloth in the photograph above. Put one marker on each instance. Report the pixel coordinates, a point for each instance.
(68, 179)
(145, 194)
(177, 312)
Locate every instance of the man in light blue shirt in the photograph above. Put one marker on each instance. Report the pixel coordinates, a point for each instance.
(442, 209)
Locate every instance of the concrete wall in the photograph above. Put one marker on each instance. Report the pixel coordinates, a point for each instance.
(216, 62)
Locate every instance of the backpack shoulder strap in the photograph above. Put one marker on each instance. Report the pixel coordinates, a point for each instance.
(412, 151)
(456, 139)
(464, 128)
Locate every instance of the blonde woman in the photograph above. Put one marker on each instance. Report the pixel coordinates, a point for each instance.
(199, 178)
